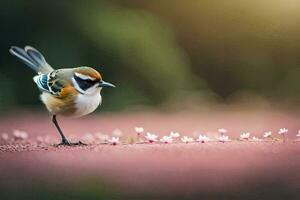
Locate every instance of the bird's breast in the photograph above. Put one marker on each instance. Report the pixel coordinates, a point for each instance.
(86, 104)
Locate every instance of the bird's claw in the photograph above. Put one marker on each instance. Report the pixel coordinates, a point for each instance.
(65, 142)
(78, 143)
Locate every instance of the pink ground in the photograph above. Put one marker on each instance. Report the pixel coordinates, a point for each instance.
(231, 170)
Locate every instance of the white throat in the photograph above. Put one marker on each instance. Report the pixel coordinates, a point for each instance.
(87, 103)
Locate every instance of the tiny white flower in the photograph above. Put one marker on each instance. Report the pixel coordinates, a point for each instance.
(203, 139)
(16, 133)
(88, 138)
(102, 137)
(223, 138)
(166, 139)
(187, 139)
(256, 139)
(245, 136)
(117, 133)
(282, 131)
(20, 134)
(40, 139)
(267, 134)
(151, 137)
(4, 136)
(139, 130)
(114, 140)
(222, 130)
(174, 134)
(196, 133)
(298, 135)
(46, 139)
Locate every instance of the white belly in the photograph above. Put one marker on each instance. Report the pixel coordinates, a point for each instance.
(86, 104)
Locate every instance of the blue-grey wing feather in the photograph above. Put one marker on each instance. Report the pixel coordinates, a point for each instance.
(50, 82)
(42, 82)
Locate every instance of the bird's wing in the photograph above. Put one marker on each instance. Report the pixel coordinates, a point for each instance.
(55, 84)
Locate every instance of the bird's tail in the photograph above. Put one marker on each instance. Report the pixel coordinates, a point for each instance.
(32, 58)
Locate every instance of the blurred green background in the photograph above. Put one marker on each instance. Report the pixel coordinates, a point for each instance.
(158, 51)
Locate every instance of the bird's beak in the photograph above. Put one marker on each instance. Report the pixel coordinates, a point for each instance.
(106, 84)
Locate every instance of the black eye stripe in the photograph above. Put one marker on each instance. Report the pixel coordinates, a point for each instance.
(84, 84)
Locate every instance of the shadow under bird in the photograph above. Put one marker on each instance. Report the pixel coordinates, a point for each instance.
(73, 92)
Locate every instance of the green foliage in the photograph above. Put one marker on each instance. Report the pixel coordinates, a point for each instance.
(155, 51)
(146, 49)
(83, 188)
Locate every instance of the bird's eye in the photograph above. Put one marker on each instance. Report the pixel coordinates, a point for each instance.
(84, 84)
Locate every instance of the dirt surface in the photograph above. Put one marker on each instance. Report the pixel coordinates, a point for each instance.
(215, 170)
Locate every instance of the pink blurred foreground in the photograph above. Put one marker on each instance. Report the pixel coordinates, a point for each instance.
(163, 170)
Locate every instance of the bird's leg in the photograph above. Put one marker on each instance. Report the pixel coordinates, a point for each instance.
(64, 140)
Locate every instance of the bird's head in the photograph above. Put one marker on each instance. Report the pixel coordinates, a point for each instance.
(88, 81)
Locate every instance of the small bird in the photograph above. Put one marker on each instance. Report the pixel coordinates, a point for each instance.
(72, 92)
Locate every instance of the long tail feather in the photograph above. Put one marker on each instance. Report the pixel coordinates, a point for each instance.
(32, 58)
(37, 56)
(22, 55)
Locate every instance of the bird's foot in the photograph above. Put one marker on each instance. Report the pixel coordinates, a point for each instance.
(65, 142)
(77, 143)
